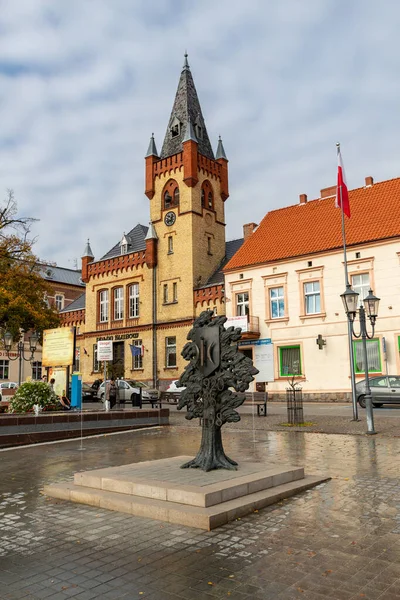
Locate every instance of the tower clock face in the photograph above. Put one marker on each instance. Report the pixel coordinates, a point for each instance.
(170, 218)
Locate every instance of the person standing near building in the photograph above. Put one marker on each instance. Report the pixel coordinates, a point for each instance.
(112, 393)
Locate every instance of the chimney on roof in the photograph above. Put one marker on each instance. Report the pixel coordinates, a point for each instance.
(328, 192)
(369, 181)
(303, 198)
(248, 230)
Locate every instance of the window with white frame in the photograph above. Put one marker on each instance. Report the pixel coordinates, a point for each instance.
(4, 367)
(96, 364)
(175, 292)
(361, 284)
(277, 302)
(134, 300)
(373, 356)
(36, 370)
(312, 297)
(59, 301)
(103, 306)
(170, 351)
(242, 304)
(118, 303)
(137, 360)
(170, 244)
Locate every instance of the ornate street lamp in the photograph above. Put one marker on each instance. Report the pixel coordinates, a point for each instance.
(369, 308)
(8, 340)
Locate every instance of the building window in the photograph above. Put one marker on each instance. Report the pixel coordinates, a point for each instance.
(170, 244)
(210, 200)
(96, 364)
(174, 292)
(170, 351)
(124, 248)
(59, 302)
(36, 370)
(242, 304)
(277, 302)
(373, 356)
(289, 361)
(165, 293)
(137, 360)
(203, 199)
(176, 196)
(209, 246)
(134, 301)
(175, 129)
(103, 306)
(312, 297)
(360, 283)
(118, 303)
(77, 359)
(167, 200)
(4, 365)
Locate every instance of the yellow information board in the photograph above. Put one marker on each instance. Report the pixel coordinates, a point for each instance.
(58, 347)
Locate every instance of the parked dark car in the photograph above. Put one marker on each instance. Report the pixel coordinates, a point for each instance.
(385, 389)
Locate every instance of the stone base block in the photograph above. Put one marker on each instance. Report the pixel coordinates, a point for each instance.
(161, 490)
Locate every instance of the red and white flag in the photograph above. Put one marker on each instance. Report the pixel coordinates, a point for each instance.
(342, 194)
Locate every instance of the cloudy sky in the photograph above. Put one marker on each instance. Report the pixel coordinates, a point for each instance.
(83, 84)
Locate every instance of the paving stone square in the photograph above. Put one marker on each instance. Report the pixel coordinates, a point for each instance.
(340, 540)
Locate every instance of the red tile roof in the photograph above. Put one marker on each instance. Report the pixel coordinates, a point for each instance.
(316, 226)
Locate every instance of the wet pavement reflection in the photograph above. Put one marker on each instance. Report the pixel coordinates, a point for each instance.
(339, 540)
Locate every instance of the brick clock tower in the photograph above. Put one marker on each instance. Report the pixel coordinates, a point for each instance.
(187, 187)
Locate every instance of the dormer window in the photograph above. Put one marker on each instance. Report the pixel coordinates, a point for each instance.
(175, 128)
(124, 245)
(199, 128)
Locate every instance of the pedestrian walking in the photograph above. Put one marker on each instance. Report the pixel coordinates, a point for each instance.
(112, 393)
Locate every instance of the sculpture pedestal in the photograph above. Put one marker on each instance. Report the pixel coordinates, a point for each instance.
(161, 490)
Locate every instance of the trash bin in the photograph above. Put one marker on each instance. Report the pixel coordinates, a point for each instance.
(137, 400)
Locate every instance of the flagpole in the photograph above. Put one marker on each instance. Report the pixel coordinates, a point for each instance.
(349, 328)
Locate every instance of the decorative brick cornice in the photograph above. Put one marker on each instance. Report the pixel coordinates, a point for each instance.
(168, 165)
(209, 294)
(208, 166)
(74, 317)
(116, 264)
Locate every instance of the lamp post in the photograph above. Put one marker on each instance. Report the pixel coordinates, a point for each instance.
(369, 308)
(8, 340)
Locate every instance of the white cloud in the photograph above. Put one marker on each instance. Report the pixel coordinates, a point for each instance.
(83, 85)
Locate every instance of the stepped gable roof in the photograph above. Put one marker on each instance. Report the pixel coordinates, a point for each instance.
(186, 105)
(77, 304)
(61, 275)
(316, 226)
(136, 242)
(218, 276)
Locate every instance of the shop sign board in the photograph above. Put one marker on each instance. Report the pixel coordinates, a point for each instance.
(104, 350)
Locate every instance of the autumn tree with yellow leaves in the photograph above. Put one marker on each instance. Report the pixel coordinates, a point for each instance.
(23, 290)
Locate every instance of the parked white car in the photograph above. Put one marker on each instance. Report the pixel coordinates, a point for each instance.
(130, 390)
(173, 387)
(7, 385)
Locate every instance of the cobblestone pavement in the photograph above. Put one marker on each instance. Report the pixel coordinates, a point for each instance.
(317, 423)
(340, 540)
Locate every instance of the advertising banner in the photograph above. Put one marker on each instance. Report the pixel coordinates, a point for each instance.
(237, 322)
(58, 347)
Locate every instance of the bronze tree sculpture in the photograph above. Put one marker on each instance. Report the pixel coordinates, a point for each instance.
(216, 366)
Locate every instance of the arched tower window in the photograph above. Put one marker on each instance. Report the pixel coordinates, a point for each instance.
(207, 195)
(170, 194)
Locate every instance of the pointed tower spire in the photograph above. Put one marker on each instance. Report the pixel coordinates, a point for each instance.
(151, 233)
(186, 104)
(87, 257)
(87, 253)
(220, 150)
(152, 149)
